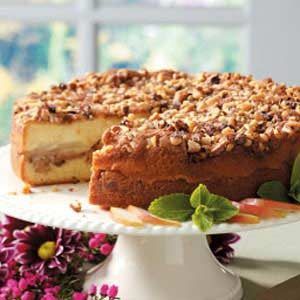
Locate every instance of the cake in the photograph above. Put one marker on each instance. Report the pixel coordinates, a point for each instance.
(229, 132)
(54, 132)
(137, 135)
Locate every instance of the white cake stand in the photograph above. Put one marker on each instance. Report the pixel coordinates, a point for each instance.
(152, 263)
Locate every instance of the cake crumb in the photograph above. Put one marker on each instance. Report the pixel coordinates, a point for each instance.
(27, 189)
(76, 206)
(12, 193)
(71, 189)
(55, 189)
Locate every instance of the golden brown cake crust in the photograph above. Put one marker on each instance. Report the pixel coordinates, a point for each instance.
(120, 180)
(236, 135)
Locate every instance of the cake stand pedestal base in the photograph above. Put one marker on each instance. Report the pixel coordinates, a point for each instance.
(166, 268)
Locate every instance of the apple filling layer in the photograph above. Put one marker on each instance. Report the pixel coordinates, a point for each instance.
(43, 160)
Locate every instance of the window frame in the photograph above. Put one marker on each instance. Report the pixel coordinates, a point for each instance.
(87, 16)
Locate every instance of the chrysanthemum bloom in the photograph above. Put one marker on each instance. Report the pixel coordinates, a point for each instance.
(5, 259)
(220, 246)
(9, 225)
(46, 250)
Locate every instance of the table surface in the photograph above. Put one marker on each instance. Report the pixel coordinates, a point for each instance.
(267, 257)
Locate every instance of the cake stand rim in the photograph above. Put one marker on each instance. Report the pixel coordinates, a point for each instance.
(16, 206)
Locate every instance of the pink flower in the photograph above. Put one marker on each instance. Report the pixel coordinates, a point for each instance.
(94, 243)
(106, 249)
(52, 290)
(23, 284)
(11, 283)
(93, 290)
(103, 290)
(79, 296)
(16, 292)
(28, 296)
(31, 278)
(49, 296)
(96, 240)
(101, 237)
(113, 292)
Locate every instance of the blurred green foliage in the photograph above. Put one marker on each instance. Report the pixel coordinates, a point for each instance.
(186, 48)
(31, 58)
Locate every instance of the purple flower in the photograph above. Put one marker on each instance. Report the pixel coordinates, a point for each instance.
(220, 246)
(46, 250)
(9, 225)
(6, 254)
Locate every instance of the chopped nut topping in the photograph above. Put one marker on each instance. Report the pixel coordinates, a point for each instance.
(112, 93)
(176, 140)
(193, 147)
(207, 113)
(229, 110)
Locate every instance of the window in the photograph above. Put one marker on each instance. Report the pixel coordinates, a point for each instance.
(46, 41)
(32, 56)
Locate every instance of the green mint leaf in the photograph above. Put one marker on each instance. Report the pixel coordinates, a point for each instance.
(199, 196)
(174, 207)
(295, 171)
(221, 208)
(274, 190)
(295, 190)
(210, 208)
(202, 219)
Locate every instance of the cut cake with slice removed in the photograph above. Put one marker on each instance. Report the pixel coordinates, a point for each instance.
(55, 132)
(234, 135)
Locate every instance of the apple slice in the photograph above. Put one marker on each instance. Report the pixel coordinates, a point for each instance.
(124, 217)
(266, 203)
(148, 218)
(244, 219)
(260, 211)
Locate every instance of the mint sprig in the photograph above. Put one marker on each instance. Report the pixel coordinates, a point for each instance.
(202, 207)
(295, 180)
(295, 176)
(202, 218)
(210, 208)
(174, 207)
(275, 190)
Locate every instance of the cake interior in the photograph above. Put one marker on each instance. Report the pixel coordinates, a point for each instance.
(57, 153)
